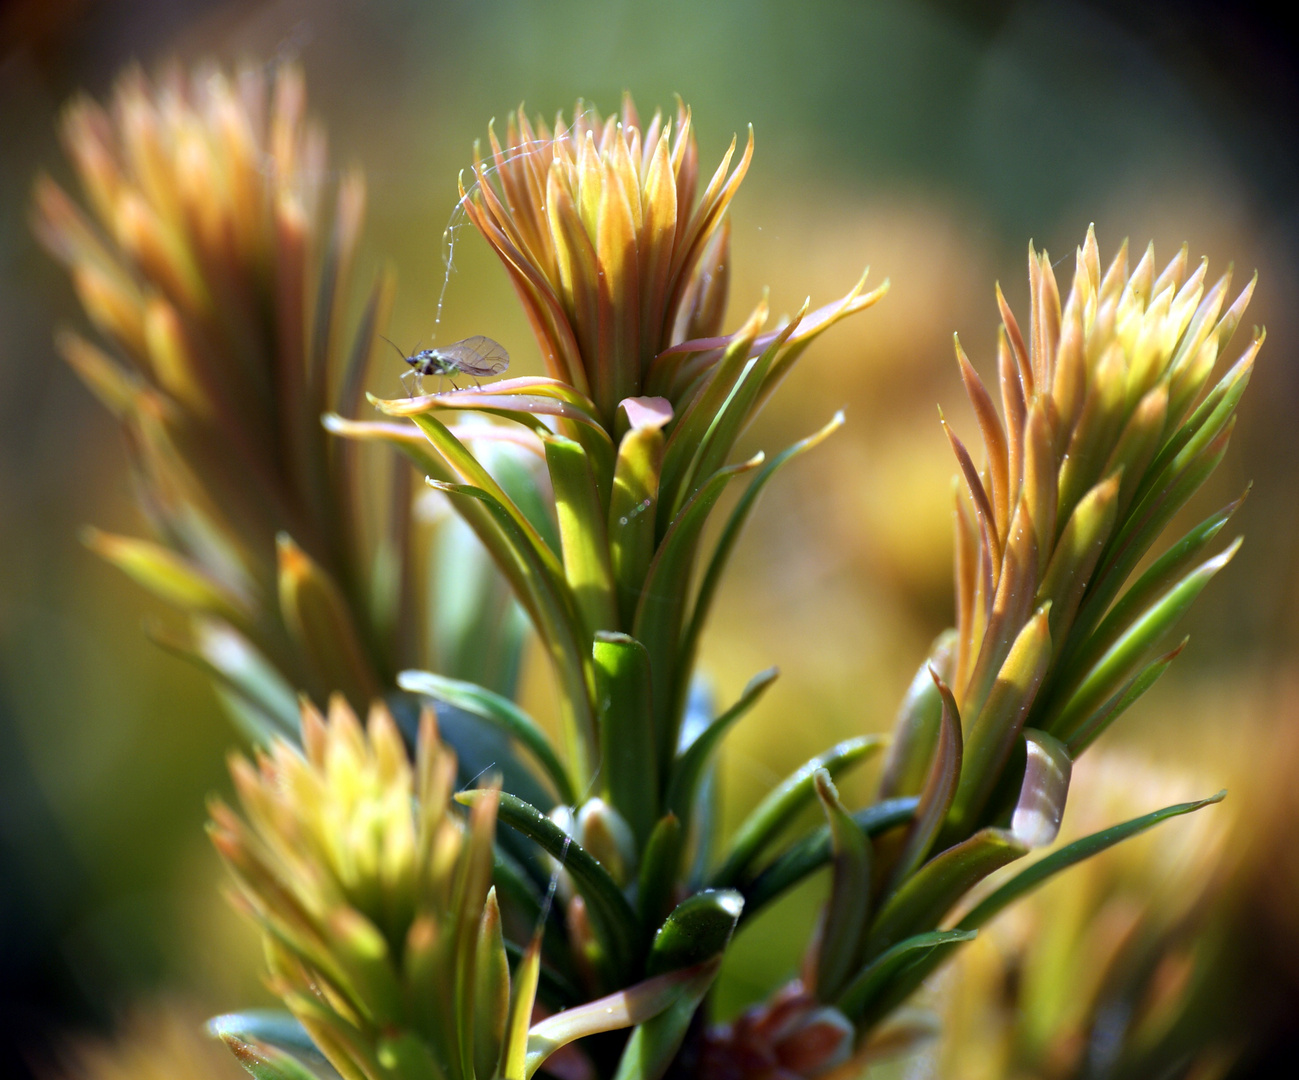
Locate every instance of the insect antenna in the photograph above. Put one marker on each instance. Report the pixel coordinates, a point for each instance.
(400, 351)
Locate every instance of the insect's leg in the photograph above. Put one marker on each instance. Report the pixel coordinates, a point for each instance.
(453, 384)
(406, 375)
(477, 383)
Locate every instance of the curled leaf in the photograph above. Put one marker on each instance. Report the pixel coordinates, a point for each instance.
(635, 1005)
(1036, 818)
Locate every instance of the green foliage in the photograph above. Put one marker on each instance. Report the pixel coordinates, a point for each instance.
(408, 937)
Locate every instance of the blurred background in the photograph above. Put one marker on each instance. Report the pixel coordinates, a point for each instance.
(928, 139)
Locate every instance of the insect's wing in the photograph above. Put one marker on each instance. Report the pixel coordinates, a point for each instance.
(477, 355)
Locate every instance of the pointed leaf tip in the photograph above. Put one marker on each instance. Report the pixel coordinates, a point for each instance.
(845, 915)
(697, 930)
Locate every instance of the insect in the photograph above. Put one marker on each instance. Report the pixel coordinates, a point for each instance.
(476, 356)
